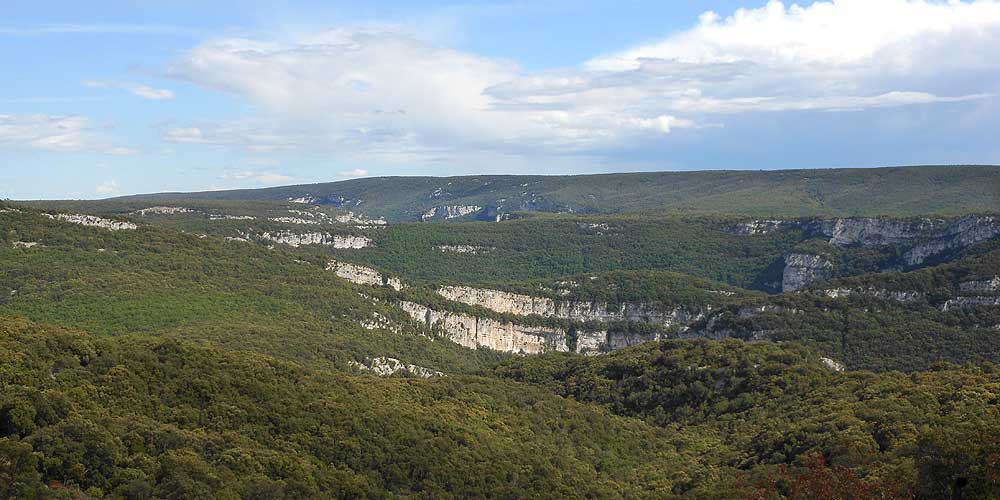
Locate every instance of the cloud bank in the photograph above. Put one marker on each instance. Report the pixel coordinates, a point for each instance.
(364, 92)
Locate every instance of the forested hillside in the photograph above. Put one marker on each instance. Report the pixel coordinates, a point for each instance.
(899, 191)
(268, 349)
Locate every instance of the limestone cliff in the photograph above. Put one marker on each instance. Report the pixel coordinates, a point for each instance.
(300, 239)
(363, 275)
(526, 305)
(803, 269)
(965, 232)
(93, 221)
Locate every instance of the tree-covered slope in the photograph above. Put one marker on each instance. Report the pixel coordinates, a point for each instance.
(919, 434)
(904, 191)
(230, 293)
(152, 418)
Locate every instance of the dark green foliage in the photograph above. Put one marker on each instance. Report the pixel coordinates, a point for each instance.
(777, 404)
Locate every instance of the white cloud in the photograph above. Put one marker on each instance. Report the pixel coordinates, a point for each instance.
(121, 151)
(108, 187)
(259, 177)
(143, 91)
(45, 132)
(371, 94)
(56, 133)
(353, 174)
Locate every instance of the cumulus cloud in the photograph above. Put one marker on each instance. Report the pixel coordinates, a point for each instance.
(140, 90)
(380, 93)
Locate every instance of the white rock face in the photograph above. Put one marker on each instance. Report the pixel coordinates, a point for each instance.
(896, 295)
(473, 332)
(831, 364)
(803, 269)
(756, 227)
(351, 218)
(25, 244)
(294, 220)
(93, 221)
(305, 200)
(460, 249)
(526, 305)
(992, 285)
(968, 302)
(387, 367)
(299, 239)
(163, 211)
(873, 231)
(230, 217)
(450, 212)
(380, 322)
(362, 275)
(965, 232)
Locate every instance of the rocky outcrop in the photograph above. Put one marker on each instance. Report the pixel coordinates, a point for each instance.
(93, 221)
(992, 285)
(294, 220)
(25, 244)
(475, 332)
(969, 302)
(300, 239)
(756, 227)
(880, 293)
(803, 269)
(363, 275)
(450, 212)
(388, 367)
(873, 231)
(527, 305)
(230, 217)
(963, 233)
(831, 364)
(164, 211)
(469, 249)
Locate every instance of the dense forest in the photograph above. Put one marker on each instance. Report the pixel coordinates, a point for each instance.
(169, 353)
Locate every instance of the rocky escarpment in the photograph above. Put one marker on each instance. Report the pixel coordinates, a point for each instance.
(527, 305)
(756, 227)
(363, 275)
(803, 269)
(388, 367)
(965, 232)
(300, 239)
(164, 211)
(874, 231)
(447, 212)
(879, 293)
(992, 285)
(93, 221)
(474, 332)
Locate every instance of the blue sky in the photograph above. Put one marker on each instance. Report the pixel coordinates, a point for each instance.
(160, 95)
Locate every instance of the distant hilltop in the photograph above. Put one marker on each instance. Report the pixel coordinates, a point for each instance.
(896, 191)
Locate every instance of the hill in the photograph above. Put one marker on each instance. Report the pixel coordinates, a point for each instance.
(899, 191)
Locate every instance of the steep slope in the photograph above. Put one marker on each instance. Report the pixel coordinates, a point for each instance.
(238, 295)
(152, 418)
(906, 191)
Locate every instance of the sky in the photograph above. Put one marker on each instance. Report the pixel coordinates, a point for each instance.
(115, 97)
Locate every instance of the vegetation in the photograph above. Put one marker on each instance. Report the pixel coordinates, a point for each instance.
(900, 191)
(168, 362)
